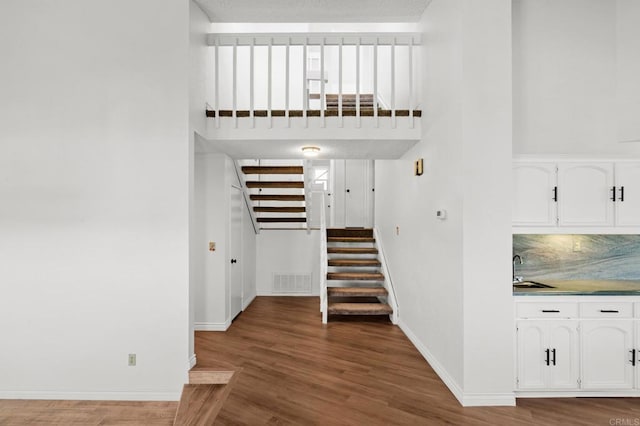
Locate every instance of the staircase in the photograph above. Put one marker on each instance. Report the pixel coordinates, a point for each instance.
(355, 283)
(277, 193)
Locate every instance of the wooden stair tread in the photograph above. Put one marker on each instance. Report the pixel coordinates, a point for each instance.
(272, 170)
(350, 232)
(211, 376)
(274, 184)
(281, 219)
(279, 209)
(200, 404)
(363, 276)
(359, 309)
(357, 291)
(354, 262)
(276, 197)
(351, 239)
(352, 250)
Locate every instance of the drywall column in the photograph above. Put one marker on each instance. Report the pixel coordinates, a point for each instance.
(94, 212)
(452, 276)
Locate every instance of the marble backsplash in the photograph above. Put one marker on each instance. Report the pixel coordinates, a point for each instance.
(578, 257)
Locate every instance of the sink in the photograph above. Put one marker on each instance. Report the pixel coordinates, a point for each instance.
(531, 284)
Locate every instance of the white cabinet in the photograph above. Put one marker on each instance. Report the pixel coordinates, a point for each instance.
(585, 193)
(576, 194)
(548, 355)
(607, 354)
(534, 198)
(628, 194)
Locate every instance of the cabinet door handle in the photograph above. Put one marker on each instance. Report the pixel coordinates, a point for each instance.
(622, 193)
(553, 360)
(555, 194)
(609, 311)
(547, 359)
(633, 357)
(234, 261)
(550, 311)
(613, 192)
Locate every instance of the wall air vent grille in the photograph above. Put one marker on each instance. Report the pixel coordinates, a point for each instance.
(291, 283)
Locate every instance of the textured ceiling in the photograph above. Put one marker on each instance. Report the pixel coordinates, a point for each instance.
(314, 10)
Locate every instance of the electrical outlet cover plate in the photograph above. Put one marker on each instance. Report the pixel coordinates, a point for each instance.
(132, 360)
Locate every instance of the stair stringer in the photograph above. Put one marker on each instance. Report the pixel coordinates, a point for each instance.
(387, 283)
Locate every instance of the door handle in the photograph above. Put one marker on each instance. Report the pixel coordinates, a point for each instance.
(348, 190)
(609, 311)
(633, 357)
(553, 360)
(613, 196)
(622, 193)
(234, 261)
(555, 194)
(547, 359)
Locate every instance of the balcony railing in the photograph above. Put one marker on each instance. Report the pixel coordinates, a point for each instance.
(315, 75)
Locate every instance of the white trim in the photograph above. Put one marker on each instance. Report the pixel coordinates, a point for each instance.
(192, 361)
(246, 303)
(92, 396)
(579, 394)
(311, 294)
(212, 326)
(466, 400)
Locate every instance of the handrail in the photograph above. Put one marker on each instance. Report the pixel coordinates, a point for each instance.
(314, 39)
(247, 197)
(323, 259)
(308, 181)
(388, 283)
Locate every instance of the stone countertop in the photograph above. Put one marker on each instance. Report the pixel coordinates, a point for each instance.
(581, 288)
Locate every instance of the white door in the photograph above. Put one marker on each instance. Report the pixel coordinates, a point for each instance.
(534, 198)
(585, 192)
(531, 341)
(358, 193)
(628, 194)
(235, 250)
(607, 347)
(564, 355)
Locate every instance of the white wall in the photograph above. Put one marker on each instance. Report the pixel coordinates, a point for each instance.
(287, 252)
(575, 68)
(446, 272)
(94, 189)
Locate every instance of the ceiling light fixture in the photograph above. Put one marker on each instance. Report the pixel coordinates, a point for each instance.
(310, 151)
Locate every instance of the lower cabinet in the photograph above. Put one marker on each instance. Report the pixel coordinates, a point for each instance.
(608, 354)
(593, 350)
(548, 355)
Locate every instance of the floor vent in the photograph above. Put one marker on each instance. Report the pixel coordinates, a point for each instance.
(291, 283)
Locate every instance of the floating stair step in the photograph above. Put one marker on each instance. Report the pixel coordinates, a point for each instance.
(281, 219)
(200, 404)
(209, 376)
(350, 232)
(352, 276)
(274, 184)
(359, 309)
(272, 170)
(356, 291)
(279, 209)
(351, 240)
(355, 262)
(352, 250)
(276, 197)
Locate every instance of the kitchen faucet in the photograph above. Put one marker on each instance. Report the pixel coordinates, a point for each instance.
(516, 258)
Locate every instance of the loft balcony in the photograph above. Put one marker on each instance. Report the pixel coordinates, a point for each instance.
(320, 86)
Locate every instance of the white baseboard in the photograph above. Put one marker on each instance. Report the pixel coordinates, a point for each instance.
(290, 294)
(212, 326)
(92, 396)
(192, 361)
(468, 399)
(248, 301)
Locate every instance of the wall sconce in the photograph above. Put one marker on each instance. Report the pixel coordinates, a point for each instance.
(418, 167)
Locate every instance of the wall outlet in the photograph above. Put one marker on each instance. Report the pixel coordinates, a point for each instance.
(577, 245)
(132, 360)
(212, 246)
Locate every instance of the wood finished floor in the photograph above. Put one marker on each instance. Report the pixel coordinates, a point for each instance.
(352, 371)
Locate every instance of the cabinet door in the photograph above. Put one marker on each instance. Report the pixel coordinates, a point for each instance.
(606, 354)
(564, 357)
(532, 367)
(628, 194)
(533, 202)
(584, 194)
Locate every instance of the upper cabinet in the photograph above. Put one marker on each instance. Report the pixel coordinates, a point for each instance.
(576, 194)
(585, 193)
(534, 198)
